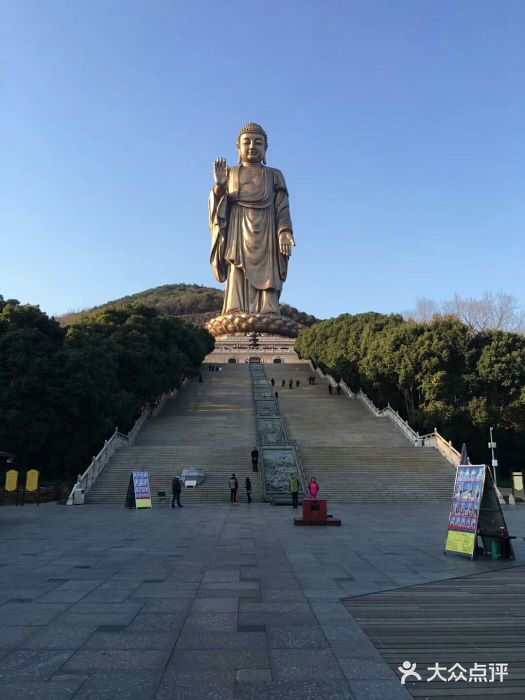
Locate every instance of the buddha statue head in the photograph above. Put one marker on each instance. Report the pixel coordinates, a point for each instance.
(252, 143)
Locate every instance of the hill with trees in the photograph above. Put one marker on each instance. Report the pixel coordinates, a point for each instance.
(438, 374)
(189, 301)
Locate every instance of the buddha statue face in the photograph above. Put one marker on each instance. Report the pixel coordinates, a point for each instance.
(252, 148)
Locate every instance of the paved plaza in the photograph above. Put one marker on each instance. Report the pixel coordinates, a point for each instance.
(218, 601)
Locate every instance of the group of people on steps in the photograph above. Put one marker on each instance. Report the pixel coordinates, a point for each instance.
(233, 483)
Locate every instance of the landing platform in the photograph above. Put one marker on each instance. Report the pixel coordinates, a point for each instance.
(271, 349)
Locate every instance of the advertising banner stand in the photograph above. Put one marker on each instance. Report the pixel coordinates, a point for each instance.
(492, 527)
(476, 510)
(138, 494)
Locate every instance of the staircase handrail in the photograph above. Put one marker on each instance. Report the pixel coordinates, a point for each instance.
(161, 401)
(403, 425)
(388, 412)
(344, 386)
(134, 432)
(368, 403)
(325, 375)
(446, 448)
(331, 380)
(86, 480)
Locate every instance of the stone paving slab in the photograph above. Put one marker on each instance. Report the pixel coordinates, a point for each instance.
(218, 602)
(118, 659)
(61, 687)
(120, 685)
(58, 637)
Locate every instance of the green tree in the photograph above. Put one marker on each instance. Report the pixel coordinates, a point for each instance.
(29, 343)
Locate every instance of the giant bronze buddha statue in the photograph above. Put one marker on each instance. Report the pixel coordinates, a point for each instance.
(252, 239)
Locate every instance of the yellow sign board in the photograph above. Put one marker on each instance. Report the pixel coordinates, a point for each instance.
(11, 480)
(32, 480)
(460, 542)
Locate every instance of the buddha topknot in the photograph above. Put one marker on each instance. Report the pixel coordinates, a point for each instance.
(253, 128)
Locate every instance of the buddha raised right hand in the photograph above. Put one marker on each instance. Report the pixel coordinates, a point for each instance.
(220, 173)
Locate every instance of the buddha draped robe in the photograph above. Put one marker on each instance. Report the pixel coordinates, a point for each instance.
(245, 223)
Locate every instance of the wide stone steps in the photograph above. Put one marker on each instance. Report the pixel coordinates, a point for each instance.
(353, 454)
(210, 425)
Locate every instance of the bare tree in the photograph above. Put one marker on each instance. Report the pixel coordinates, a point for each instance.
(494, 311)
(424, 312)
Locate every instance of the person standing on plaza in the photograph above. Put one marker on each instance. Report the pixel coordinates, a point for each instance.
(176, 488)
(294, 490)
(248, 487)
(313, 488)
(276, 394)
(234, 485)
(255, 459)
(273, 381)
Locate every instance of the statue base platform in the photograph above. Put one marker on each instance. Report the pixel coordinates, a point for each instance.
(315, 513)
(240, 324)
(271, 349)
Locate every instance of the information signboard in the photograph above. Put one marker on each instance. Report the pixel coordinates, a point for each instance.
(465, 509)
(141, 489)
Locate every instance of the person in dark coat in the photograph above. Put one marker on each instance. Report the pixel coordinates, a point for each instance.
(176, 488)
(234, 485)
(283, 382)
(255, 459)
(248, 487)
(273, 381)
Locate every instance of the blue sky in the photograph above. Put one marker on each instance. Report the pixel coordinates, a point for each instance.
(399, 126)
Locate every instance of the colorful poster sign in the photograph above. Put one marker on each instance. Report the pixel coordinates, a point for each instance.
(465, 509)
(141, 489)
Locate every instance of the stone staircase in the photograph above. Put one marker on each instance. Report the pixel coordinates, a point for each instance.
(210, 425)
(354, 455)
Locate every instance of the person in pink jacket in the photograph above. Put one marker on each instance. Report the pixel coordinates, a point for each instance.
(313, 487)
